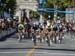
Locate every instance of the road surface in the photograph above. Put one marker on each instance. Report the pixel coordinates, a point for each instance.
(11, 47)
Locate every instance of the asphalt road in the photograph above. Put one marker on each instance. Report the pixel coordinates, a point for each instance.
(11, 47)
(35, 52)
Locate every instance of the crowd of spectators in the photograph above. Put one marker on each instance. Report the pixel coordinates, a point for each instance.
(5, 24)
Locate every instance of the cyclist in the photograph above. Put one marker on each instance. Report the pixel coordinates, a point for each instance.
(34, 31)
(64, 28)
(50, 33)
(55, 31)
(41, 27)
(20, 31)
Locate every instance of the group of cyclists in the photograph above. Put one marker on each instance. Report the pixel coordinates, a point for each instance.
(50, 31)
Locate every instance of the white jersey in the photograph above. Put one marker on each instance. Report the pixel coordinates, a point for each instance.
(58, 21)
(48, 23)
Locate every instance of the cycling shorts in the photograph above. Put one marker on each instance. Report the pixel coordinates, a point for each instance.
(41, 29)
(55, 29)
(35, 28)
(60, 30)
(49, 30)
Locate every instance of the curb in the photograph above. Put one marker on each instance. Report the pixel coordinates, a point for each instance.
(3, 38)
(42, 49)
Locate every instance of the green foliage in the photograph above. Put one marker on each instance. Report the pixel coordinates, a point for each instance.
(61, 5)
(34, 14)
(12, 5)
(8, 4)
(49, 3)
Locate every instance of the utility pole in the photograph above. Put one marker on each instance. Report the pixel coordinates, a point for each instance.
(55, 7)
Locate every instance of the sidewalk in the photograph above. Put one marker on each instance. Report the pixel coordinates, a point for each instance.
(6, 33)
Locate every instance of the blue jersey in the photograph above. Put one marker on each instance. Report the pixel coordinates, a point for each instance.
(56, 25)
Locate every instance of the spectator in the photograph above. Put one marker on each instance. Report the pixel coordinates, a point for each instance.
(3, 25)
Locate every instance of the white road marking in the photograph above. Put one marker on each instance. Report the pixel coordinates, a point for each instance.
(36, 52)
(47, 53)
(13, 52)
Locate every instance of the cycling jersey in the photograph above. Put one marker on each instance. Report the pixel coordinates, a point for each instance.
(58, 21)
(55, 27)
(20, 27)
(64, 29)
(50, 27)
(35, 27)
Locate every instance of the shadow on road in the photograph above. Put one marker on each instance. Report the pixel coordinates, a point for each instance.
(41, 49)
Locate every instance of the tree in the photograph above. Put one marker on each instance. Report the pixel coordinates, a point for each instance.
(12, 6)
(49, 4)
(61, 5)
(8, 4)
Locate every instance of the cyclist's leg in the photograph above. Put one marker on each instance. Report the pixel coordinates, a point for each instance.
(61, 35)
(49, 38)
(23, 33)
(34, 38)
(52, 36)
(41, 36)
(55, 36)
(19, 35)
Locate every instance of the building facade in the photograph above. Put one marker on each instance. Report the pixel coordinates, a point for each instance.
(70, 17)
(24, 7)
